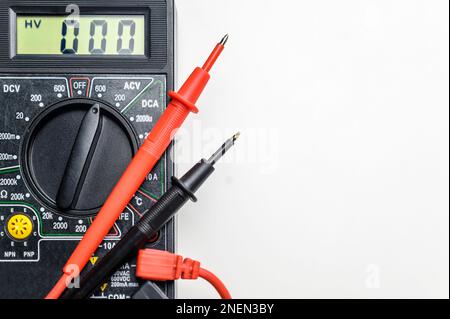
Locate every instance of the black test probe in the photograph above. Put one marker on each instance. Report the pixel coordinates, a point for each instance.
(151, 222)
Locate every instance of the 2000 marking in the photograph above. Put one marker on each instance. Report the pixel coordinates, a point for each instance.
(60, 225)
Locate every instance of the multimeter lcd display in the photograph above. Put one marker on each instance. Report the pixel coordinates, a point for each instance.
(93, 35)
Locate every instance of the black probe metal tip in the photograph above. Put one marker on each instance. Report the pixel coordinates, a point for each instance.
(224, 39)
(197, 175)
(223, 149)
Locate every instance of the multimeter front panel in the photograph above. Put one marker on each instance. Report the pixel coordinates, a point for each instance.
(54, 68)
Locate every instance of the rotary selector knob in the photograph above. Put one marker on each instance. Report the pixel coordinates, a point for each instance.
(74, 153)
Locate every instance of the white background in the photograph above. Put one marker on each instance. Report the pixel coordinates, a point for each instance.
(339, 185)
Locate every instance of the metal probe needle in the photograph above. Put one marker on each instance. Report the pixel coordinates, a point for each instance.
(223, 149)
(224, 40)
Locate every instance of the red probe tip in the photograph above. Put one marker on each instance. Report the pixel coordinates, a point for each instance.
(224, 40)
(215, 54)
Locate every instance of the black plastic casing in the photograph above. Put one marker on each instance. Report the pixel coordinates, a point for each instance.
(159, 59)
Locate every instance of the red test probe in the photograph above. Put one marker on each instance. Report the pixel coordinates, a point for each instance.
(182, 103)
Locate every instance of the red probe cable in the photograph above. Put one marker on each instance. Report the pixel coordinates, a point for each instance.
(157, 265)
(159, 139)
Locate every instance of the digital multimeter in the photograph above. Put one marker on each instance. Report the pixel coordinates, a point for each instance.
(58, 60)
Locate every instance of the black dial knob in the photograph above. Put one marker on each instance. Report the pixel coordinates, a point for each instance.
(74, 153)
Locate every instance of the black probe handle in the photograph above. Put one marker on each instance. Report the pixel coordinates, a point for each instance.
(147, 227)
(153, 220)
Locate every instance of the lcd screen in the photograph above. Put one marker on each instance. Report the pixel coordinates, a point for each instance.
(90, 35)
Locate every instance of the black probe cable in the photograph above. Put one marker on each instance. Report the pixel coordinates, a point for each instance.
(151, 222)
